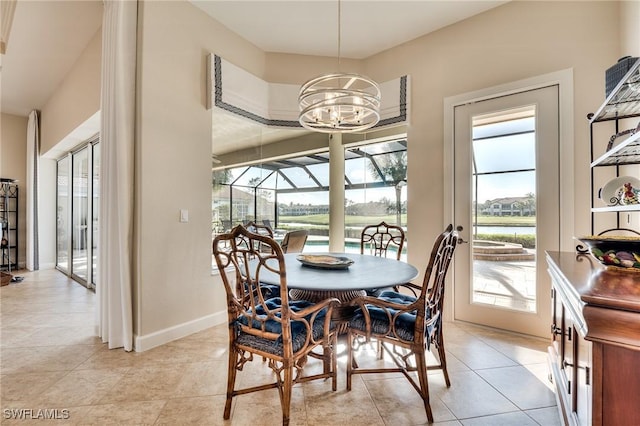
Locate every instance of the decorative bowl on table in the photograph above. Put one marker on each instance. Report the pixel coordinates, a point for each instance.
(324, 261)
(620, 252)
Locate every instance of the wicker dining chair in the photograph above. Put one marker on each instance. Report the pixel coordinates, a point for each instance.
(407, 326)
(279, 330)
(380, 240)
(294, 241)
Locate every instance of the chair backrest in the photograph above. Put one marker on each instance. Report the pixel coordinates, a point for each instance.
(377, 239)
(294, 241)
(259, 229)
(433, 285)
(241, 262)
(267, 223)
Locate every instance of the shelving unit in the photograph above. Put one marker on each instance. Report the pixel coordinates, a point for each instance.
(623, 103)
(8, 225)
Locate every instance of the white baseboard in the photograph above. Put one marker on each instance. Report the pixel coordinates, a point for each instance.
(150, 341)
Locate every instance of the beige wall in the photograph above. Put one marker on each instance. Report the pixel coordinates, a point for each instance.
(13, 163)
(173, 165)
(74, 101)
(630, 28)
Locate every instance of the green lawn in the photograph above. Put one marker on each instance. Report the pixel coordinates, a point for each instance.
(323, 219)
(507, 220)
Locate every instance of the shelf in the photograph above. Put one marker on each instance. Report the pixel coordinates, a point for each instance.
(632, 208)
(624, 99)
(627, 152)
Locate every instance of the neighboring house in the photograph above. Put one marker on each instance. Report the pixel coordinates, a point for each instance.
(302, 209)
(509, 206)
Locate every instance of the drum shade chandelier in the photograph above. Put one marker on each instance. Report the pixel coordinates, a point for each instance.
(339, 102)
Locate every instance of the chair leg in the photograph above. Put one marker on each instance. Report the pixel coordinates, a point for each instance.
(442, 356)
(231, 382)
(285, 394)
(350, 359)
(421, 365)
(334, 362)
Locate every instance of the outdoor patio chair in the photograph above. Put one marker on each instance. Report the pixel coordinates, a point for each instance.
(405, 326)
(294, 241)
(281, 331)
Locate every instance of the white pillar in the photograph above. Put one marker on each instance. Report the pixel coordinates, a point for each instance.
(336, 193)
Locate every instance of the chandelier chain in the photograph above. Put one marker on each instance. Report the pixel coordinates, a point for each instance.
(339, 32)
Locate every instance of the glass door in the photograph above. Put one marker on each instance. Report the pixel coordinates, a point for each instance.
(63, 215)
(95, 210)
(77, 211)
(79, 215)
(507, 197)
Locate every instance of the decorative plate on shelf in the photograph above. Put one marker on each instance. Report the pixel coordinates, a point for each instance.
(623, 190)
(324, 261)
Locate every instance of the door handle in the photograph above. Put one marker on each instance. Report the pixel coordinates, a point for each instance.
(460, 239)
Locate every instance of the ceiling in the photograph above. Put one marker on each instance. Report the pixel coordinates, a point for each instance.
(48, 36)
(311, 27)
(46, 39)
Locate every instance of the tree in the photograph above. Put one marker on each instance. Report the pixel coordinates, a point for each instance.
(530, 202)
(219, 178)
(393, 167)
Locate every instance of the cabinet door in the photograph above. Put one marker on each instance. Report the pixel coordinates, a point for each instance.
(568, 359)
(556, 325)
(583, 379)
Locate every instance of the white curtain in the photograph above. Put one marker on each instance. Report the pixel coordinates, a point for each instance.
(117, 136)
(32, 184)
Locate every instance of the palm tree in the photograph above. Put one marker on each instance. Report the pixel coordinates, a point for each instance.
(392, 168)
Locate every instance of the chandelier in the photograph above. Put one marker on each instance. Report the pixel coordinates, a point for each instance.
(339, 102)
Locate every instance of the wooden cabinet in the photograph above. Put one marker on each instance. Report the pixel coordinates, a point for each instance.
(594, 354)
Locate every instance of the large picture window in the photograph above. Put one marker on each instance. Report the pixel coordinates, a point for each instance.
(293, 193)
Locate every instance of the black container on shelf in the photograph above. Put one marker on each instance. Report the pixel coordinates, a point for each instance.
(615, 73)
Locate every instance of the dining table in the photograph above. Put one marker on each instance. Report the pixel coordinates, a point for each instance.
(314, 283)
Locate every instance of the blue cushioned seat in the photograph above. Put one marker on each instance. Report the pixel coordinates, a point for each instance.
(404, 323)
(298, 328)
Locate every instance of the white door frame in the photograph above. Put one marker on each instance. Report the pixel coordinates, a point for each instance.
(564, 80)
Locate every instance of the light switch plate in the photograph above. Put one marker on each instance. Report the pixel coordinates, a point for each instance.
(184, 215)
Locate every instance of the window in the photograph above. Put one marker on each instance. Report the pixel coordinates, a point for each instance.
(293, 193)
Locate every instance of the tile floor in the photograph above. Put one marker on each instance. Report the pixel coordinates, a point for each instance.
(51, 360)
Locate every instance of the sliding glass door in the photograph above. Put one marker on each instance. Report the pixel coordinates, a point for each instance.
(80, 207)
(77, 213)
(63, 215)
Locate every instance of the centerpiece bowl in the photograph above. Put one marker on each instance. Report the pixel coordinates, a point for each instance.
(620, 252)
